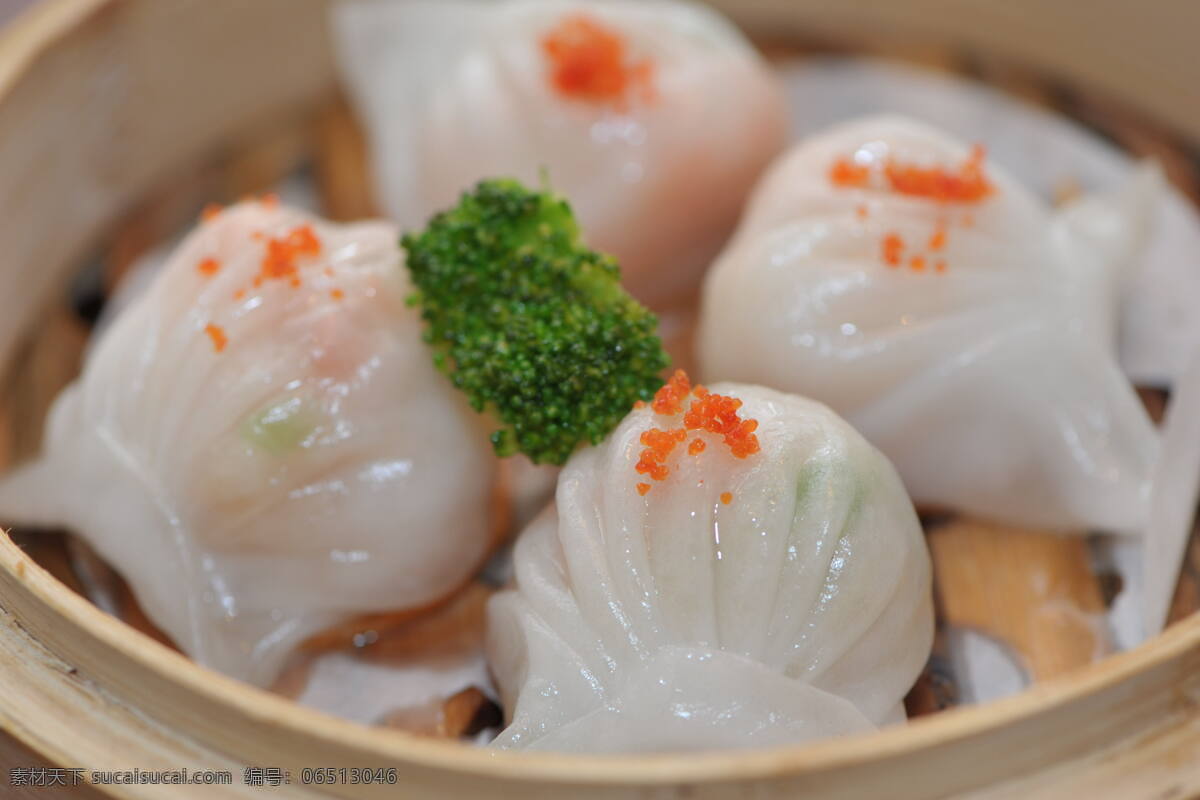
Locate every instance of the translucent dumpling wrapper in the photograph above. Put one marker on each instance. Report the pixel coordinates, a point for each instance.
(737, 602)
(970, 337)
(654, 117)
(261, 445)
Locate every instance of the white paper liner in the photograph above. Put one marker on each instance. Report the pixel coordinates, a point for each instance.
(362, 690)
(975, 654)
(1176, 487)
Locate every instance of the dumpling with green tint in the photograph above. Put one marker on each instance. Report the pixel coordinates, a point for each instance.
(261, 445)
(759, 592)
(282, 426)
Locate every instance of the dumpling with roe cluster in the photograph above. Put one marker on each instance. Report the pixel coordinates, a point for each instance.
(654, 116)
(732, 567)
(962, 326)
(261, 445)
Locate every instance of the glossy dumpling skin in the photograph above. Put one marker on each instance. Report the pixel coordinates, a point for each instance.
(315, 468)
(674, 621)
(454, 91)
(993, 385)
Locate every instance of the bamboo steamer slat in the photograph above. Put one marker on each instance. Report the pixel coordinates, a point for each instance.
(102, 100)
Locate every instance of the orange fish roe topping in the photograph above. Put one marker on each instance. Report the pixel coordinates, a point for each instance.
(209, 266)
(240, 294)
(304, 239)
(893, 252)
(710, 412)
(280, 259)
(938, 240)
(861, 211)
(659, 444)
(893, 249)
(967, 184)
(669, 399)
(337, 294)
(211, 211)
(845, 172)
(588, 61)
(217, 334)
(718, 414)
(639, 404)
(726, 498)
(643, 488)
(270, 200)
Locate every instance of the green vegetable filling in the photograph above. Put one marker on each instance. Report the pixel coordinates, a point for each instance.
(279, 428)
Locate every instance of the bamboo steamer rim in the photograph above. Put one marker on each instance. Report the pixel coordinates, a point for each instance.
(1177, 643)
(32, 587)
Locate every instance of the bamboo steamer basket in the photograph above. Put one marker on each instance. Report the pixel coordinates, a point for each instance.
(102, 100)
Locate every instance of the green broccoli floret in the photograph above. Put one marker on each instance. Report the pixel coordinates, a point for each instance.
(529, 322)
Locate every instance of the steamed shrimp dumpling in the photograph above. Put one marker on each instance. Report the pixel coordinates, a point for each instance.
(261, 445)
(655, 117)
(963, 327)
(734, 601)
